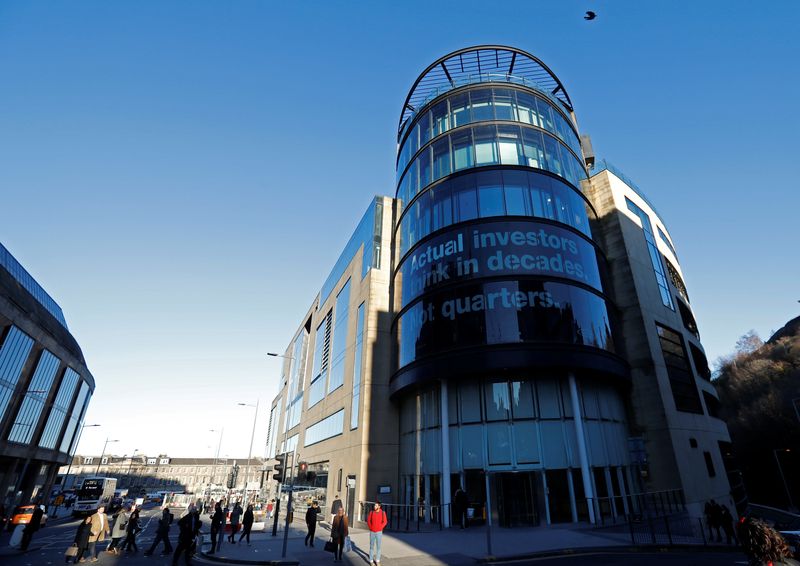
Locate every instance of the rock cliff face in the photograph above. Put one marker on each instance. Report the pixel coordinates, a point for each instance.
(759, 391)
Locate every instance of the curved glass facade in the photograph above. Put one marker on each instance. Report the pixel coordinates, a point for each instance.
(502, 248)
(491, 193)
(508, 311)
(485, 104)
(487, 145)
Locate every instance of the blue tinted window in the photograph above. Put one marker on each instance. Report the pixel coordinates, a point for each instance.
(424, 129)
(481, 105)
(75, 419)
(60, 409)
(356, 399)
(463, 156)
(552, 157)
(509, 141)
(442, 207)
(441, 158)
(655, 256)
(545, 115)
(440, 118)
(533, 148)
(490, 194)
(460, 112)
(526, 109)
(39, 388)
(503, 104)
(13, 354)
(425, 168)
(485, 145)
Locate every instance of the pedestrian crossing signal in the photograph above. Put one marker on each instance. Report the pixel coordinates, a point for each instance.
(280, 469)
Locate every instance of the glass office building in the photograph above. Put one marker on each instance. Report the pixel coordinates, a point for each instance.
(45, 386)
(506, 349)
(513, 322)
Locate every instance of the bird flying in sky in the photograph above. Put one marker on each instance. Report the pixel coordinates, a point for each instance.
(589, 15)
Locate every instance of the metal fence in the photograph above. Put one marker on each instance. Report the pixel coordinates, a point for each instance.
(667, 530)
(402, 517)
(637, 506)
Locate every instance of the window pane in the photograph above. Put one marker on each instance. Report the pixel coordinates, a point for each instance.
(424, 160)
(425, 129)
(522, 399)
(441, 158)
(547, 392)
(485, 145)
(490, 194)
(499, 438)
(459, 110)
(510, 142)
(497, 401)
(481, 105)
(440, 119)
(533, 147)
(462, 150)
(467, 203)
(470, 401)
(502, 104)
(515, 200)
(552, 155)
(442, 207)
(545, 115)
(526, 442)
(526, 108)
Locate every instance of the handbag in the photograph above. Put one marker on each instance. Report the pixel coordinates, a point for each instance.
(330, 546)
(71, 551)
(348, 545)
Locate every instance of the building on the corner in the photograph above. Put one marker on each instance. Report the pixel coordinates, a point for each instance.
(45, 386)
(529, 338)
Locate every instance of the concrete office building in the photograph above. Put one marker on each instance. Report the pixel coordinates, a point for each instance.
(45, 386)
(530, 339)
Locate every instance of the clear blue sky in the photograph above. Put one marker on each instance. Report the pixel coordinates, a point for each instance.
(181, 176)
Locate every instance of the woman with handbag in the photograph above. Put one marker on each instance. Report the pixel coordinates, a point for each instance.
(81, 541)
(339, 532)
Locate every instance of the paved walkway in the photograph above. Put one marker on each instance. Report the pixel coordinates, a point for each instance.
(450, 546)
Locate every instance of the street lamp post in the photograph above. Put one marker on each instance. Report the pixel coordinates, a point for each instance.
(780, 469)
(103, 454)
(250, 453)
(71, 458)
(130, 465)
(216, 457)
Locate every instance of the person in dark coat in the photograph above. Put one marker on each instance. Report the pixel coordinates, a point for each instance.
(131, 530)
(311, 522)
(162, 533)
(335, 506)
(339, 531)
(247, 524)
(217, 521)
(189, 527)
(82, 538)
(236, 515)
(460, 504)
(727, 525)
(33, 525)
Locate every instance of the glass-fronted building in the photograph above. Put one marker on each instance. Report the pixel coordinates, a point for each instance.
(504, 351)
(45, 386)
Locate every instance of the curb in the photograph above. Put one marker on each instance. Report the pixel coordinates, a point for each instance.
(223, 560)
(610, 549)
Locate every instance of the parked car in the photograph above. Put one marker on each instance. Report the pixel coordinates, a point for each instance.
(22, 515)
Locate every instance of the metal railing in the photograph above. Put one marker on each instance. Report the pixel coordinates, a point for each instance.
(637, 506)
(404, 517)
(667, 531)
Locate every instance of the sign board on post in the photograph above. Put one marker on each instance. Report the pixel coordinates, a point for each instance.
(384, 489)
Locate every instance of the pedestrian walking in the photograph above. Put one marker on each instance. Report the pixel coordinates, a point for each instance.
(189, 526)
(99, 531)
(727, 525)
(376, 521)
(82, 539)
(118, 530)
(311, 522)
(460, 505)
(270, 507)
(33, 525)
(335, 506)
(133, 528)
(236, 516)
(162, 533)
(221, 534)
(217, 521)
(247, 524)
(339, 532)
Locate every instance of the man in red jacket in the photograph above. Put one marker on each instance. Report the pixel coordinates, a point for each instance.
(376, 521)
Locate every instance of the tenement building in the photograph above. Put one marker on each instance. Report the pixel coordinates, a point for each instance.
(528, 339)
(45, 386)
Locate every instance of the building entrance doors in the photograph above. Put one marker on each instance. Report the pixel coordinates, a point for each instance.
(514, 495)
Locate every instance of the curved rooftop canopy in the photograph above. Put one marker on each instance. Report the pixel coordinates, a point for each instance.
(482, 63)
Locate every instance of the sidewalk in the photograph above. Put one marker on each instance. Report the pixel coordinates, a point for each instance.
(451, 546)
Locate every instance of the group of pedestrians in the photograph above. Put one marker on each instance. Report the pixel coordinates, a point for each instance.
(219, 519)
(719, 517)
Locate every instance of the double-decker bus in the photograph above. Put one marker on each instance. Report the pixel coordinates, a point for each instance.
(94, 493)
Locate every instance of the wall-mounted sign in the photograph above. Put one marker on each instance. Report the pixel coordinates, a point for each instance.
(384, 489)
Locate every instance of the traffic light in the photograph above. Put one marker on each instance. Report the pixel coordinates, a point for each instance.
(302, 468)
(280, 468)
(230, 482)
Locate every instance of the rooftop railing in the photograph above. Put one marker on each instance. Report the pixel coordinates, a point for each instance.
(10, 263)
